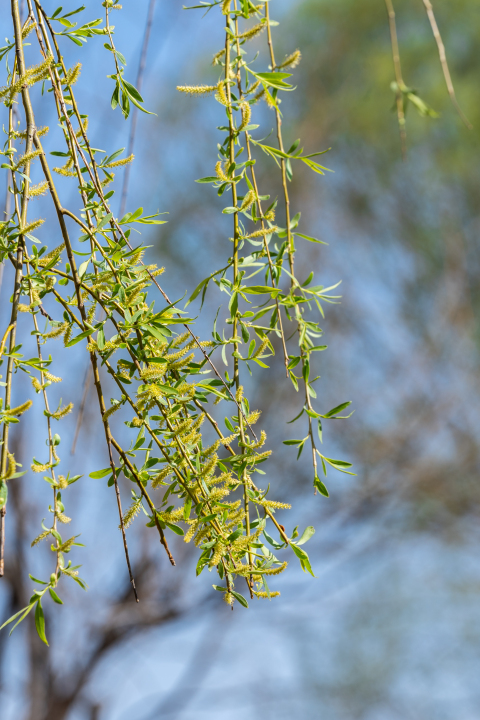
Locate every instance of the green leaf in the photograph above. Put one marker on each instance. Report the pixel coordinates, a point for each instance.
(23, 612)
(100, 473)
(174, 528)
(41, 582)
(275, 79)
(40, 622)
(303, 557)
(340, 465)
(207, 179)
(101, 339)
(240, 598)
(306, 535)
(311, 239)
(55, 597)
(261, 290)
(83, 268)
(3, 494)
(321, 487)
(337, 409)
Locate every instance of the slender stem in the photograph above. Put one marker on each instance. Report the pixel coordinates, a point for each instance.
(398, 77)
(443, 61)
(291, 252)
(236, 278)
(138, 85)
(20, 248)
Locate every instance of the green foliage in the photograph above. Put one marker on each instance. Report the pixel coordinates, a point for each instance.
(164, 373)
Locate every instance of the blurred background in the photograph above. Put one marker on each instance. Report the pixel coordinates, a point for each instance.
(390, 627)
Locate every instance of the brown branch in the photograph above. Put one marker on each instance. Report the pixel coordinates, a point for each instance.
(443, 61)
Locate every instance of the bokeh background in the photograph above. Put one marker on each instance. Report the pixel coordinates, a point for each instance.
(390, 627)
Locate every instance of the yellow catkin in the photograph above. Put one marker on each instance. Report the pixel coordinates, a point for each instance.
(239, 394)
(133, 298)
(66, 546)
(248, 200)
(23, 308)
(62, 482)
(191, 531)
(221, 95)
(218, 56)
(120, 162)
(246, 115)
(32, 75)
(260, 443)
(65, 171)
(38, 190)
(264, 456)
(26, 158)
(197, 89)
(226, 6)
(209, 467)
(179, 340)
(218, 553)
(56, 332)
(36, 384)
(253, 87)
(64, 519)
(181, 363)
(153, 372)
(32, 226)
(261, 348)
(220, 172)
(260, 233)
(45, 259)
(259, 95)
(253, 417)
(211, 449)
(217, 494)
(52, 378)
(252, 32)
(23, 135)
(40, 468)
(82, 129)
(161, 477)
(108, 413)
(292, 60)
(28, 29)
(73, 74)
(19, 410)
(108, 180)
(91, 314)
(274, 505)
(131, 513)
(40, 537)
(226, 441)
(67, 335)
(262, 594)
(11, 467)
(275, 570)
(62, 412)
(228, 598)
(270, 215)
(69, 572)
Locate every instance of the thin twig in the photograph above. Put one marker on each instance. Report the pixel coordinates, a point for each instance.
(398, 78)
(443, 61)
(139, 83)
(86, 388)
